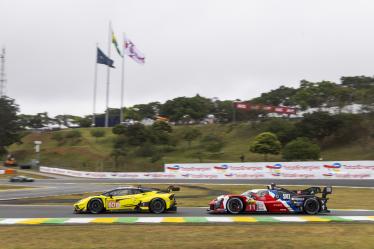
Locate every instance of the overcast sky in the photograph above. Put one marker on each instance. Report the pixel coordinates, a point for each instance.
(225, 49)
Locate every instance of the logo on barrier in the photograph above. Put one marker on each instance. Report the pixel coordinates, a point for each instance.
(221, 167)
(174, 167)
(275, 166)
(229, 174)
(276, 174)
(333, 166)
(185, 175)
(328, 174)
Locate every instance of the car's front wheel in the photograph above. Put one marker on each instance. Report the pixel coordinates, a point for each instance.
(311, 206)
(234, 205)
(95, 206)
(157, 206)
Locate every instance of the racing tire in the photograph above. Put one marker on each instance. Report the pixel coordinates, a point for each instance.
(95, 206)
(234, 205)
(311, 206)
(157, 206)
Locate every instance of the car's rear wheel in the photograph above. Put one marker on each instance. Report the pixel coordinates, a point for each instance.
(311, 206)
(157, 206)
(95, 206)
(234, 205)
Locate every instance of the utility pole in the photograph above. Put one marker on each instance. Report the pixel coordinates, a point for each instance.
(2, 73)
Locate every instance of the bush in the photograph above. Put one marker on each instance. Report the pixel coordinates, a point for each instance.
(73, 134)
(168, 149)
(97, 133)
(212, 143)
(156, 157)
(146, 150)
(58, 136)
(301, 149)
(119, 129)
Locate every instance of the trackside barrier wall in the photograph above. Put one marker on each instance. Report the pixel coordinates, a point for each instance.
(261, 170)
(276, 170)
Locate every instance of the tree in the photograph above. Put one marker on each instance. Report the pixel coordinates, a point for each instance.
(301, 149)
(212, 143)
(318, 125)
(136, 134)
(357, 81)
(191, 134)
(283, 128)
(85, 122)
(265, 143)
(162, 126)
(9, 126)
(196, 108)
(279, 96)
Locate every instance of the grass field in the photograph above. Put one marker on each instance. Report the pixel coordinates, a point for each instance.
(200, 195)
(294, 236)
(89, 153)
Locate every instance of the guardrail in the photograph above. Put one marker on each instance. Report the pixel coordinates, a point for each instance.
(261, 170)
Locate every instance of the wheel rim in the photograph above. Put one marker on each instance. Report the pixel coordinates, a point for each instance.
(157, 206)
(235, 206)
(95, 206)
(312, 206)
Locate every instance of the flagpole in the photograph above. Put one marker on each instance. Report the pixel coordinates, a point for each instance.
(122, 79)
(108, 76)
(94, 91)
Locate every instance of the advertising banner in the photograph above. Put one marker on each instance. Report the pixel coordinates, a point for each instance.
(276, 170)
(259, 170)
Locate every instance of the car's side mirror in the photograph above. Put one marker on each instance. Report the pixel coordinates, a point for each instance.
(110, 196)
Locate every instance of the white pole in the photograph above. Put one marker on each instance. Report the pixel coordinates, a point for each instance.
(122, 79)
(108, 76)
(94, 91)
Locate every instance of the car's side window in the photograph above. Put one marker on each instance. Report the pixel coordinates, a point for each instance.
(124, 192)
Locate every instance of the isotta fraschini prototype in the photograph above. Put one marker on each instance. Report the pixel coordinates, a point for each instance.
(274, 199)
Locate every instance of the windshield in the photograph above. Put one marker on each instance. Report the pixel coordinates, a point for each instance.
(248, 193)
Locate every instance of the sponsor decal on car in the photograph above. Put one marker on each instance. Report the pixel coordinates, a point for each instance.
(114, 204)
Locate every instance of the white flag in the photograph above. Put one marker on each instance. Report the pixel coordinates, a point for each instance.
(131, 50)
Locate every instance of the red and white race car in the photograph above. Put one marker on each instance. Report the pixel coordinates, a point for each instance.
(273, 200)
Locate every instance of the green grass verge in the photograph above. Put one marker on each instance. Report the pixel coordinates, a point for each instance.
(89, 153)
(199, 195)
(288, 236)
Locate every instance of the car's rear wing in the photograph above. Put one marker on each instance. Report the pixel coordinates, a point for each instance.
(172, 188)
(326, 191)
(316, 190)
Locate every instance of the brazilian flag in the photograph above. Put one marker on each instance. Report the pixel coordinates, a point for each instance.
(115, 43)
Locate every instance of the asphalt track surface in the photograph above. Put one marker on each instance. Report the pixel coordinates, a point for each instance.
(47, 211)
(63, 186)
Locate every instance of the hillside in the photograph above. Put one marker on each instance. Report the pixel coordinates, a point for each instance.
(90, 153)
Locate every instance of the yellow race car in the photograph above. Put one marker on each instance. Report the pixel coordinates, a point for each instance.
(130, 198)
